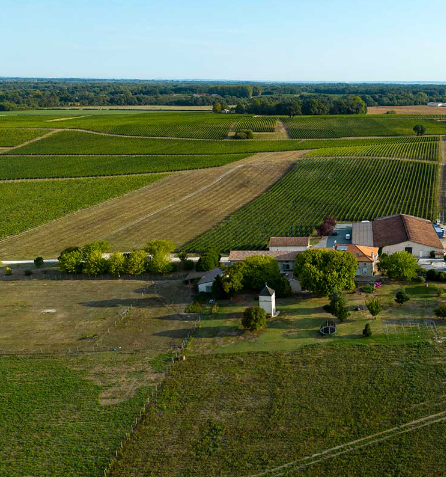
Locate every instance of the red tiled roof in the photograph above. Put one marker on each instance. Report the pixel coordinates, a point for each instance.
(289, 241)
(361, 253)
(404, 228)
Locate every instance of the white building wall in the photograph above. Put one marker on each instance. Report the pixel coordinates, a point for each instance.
(205, 287)
(268, 303)
(418, 250)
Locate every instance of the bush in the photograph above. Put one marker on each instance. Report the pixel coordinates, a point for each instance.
(439, 291)
(401, 297)
(68, 250)
(195, 307)
(369, 289)
(374, 306)
(432, 275)
(440, 312)
(188, 264)
(367, 331)
(71, 262)
(38, 262)
(244, 134)
(28, 273)
(338, 306)
(420, 279)
(254, 318)
(8, 271)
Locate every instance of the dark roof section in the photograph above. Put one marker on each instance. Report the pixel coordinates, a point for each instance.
(210, 276)
(289, 241)
(267, 291)
(404, 228)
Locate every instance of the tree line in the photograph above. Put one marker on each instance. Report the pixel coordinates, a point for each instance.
(16, 93)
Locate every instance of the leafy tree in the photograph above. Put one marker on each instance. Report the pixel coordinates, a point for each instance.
(100, 246)
(38, 262)
(399, 265)
(216, 107)
(254, 318)
(374, 306)
(244, 134)
(95, 263)
(327, 226)
(338, 305)
(367, 331)
(68, 250)
(71, 262)
(419, 129)
(440, 312)
(117, 264)
(258, 270)
(281, 286)
(208, 260)
(136, 262)
(231, 282)
(323, 270)
(439, 291)
(401, 297)
(159, 251)
(8, 271)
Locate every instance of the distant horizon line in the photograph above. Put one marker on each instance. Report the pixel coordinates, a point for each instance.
(207, 80)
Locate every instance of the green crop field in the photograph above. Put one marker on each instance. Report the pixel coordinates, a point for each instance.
(351, 189)
(258, 124)
(51, 420)
(27, 204)
(10, 137)
(311, 127)
(31, 167)
(244, 414)
(429, 151)
(84, 143)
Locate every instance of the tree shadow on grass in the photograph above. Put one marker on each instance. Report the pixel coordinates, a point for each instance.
(203, 332)
(146, 302)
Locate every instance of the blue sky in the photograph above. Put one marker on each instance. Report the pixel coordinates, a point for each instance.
(312, 40)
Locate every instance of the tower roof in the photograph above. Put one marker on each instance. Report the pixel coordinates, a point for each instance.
(267, 291)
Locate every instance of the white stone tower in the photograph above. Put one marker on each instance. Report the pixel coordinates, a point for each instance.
(267, 300)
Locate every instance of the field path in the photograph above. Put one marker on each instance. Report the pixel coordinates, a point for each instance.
(282, 130)
(178, 207)
(49, 133)
(442, 179)
(352, 446)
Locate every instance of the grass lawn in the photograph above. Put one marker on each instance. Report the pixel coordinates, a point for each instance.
(300, 318)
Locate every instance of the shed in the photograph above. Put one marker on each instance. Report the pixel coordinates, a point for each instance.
(206, 282)
(267, 300)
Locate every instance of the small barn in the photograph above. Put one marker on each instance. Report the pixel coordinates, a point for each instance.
(206, 281)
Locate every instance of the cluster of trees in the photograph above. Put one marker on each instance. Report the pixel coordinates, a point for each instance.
(251, 274)
(305, 105)
(155, 258)
(16, 93)
(327, 227)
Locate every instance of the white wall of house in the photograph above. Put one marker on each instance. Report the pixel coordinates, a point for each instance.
(365, 269)
(418, 250)
(205, 287)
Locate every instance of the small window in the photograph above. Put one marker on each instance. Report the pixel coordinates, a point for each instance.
(364, 271)
(408, 249)
(357, 272)
(285, 266)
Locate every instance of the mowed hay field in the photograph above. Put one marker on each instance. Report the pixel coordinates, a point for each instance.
(294, 414)
(178, 207)
(422, 109)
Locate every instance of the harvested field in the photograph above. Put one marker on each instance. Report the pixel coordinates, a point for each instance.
(423, 109)
(179, 207)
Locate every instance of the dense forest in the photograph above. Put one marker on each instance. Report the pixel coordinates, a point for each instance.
(259, 98)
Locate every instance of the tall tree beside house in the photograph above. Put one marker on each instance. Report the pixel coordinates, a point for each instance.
(323, 270)
(208, 260)
(327, 226)
(338, 305)
(398, 266)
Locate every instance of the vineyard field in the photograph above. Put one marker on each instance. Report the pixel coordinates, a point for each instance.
(30, 203)
(288, 408)
(351, 189)
(258, 124)
(84, 143)
(429, 151)
(34, 167)
(312, 127)
(10, 137)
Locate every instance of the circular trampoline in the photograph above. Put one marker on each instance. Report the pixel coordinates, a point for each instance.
(328, 328)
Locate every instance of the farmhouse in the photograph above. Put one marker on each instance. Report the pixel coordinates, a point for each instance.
(286, 259)
(289, 244)
(438, 105)
(396, 233)
(367, 258)
(206, 281)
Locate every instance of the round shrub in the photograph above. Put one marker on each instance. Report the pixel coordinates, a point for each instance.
(367, 331)
(8, 271)
(38, 262)
(254, 318)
